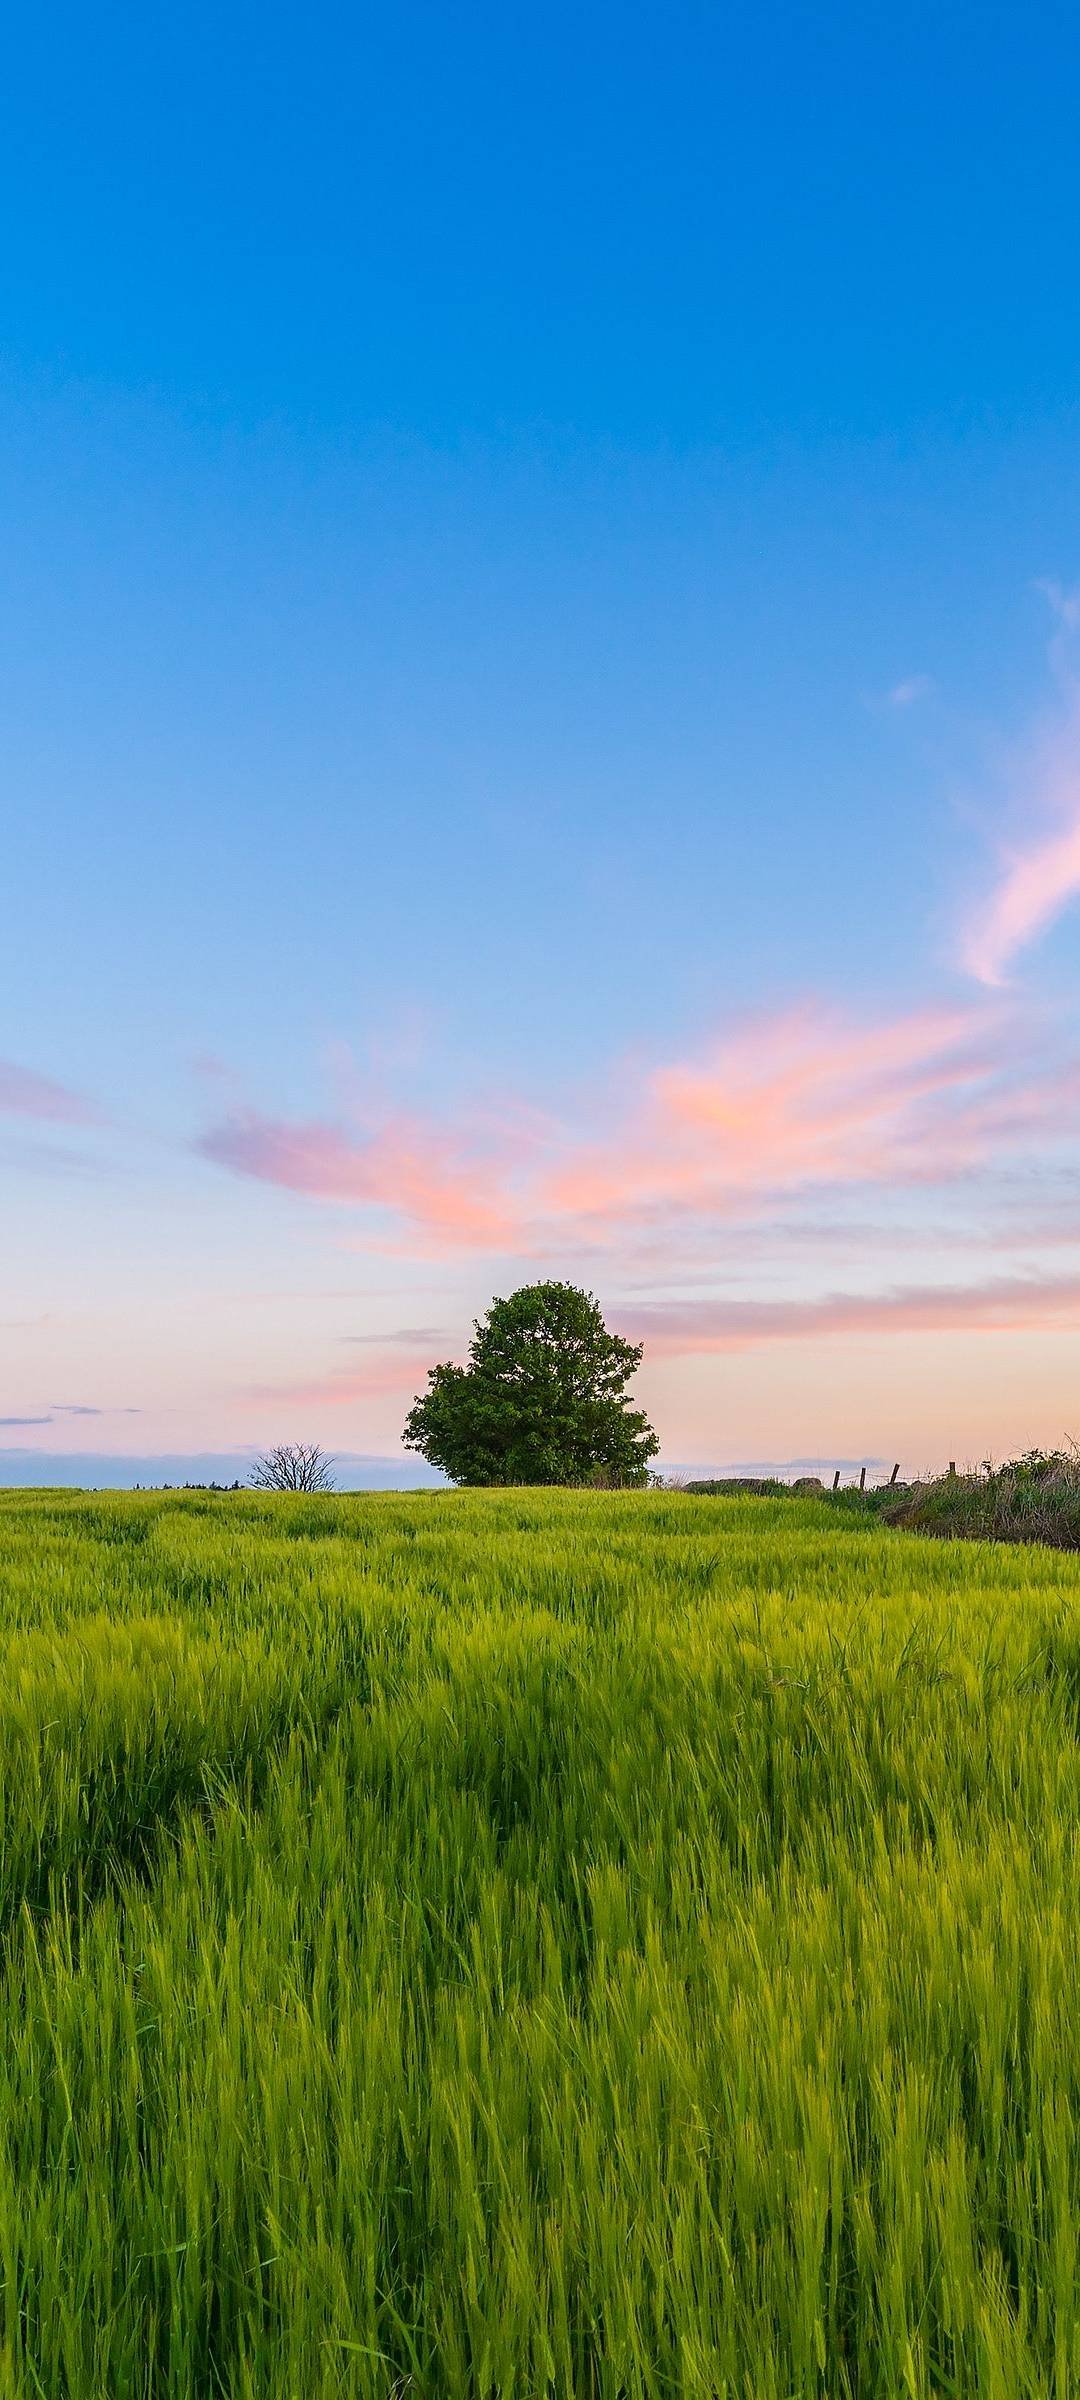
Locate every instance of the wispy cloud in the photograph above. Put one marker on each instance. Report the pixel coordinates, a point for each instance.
(26, 1094)
(782, 1468)
(1038, 861)
(807, 1100)
(1019, 1302)
(68, 1408)
(393, 1376)
(1063, 599)
(772, 1111)
(416, 1171)
(906, 693)
(407, 1336)
(210, 1068)
(705, 1325)
(1036, 881)
(26, 1155)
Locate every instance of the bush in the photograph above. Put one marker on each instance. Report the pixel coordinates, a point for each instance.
(727, 1487)
(1034, 1498)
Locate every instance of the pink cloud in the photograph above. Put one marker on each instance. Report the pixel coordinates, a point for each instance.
(1034, 886)
(1038, 869)
(402, 1166)
(1005, 1303)
(24, 1094)
(774, 1110)
(797, 1101)
(396, 1376)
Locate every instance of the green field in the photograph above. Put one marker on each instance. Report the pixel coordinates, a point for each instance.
(535, 1944)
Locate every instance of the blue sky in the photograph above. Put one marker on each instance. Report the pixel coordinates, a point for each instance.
(538, 585)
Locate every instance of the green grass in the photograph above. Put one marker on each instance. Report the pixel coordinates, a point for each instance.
(508, 1945)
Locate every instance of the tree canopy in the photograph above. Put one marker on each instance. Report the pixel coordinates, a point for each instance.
(542, 1400)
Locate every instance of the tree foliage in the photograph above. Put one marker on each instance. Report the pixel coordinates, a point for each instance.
(542, 1400)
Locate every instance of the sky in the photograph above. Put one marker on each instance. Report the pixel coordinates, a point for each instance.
(539, 721)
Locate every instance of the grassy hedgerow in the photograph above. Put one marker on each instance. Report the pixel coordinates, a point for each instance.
(1035, 1498)
(473, 1946)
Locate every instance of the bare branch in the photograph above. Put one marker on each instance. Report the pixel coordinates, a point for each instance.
(293, 1467)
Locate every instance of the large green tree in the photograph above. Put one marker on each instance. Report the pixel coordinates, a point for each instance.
(542, 1400)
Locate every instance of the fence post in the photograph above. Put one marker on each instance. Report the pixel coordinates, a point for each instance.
(895, 1472)
(836, 1481)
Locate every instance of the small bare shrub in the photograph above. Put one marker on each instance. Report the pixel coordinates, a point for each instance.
(293, 1467)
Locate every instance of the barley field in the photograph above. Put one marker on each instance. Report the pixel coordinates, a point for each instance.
(510, 1945)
